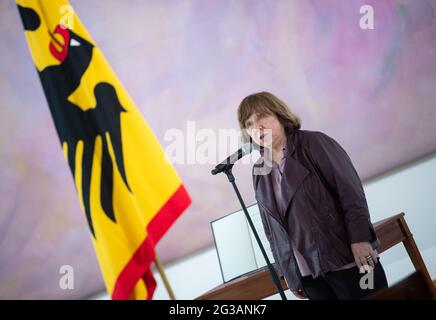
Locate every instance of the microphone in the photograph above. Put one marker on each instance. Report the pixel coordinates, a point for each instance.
(230, 161)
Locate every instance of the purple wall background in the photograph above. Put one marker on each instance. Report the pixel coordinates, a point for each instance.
(373, 91)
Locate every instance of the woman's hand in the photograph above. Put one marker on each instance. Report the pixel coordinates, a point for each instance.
(361, 252)
(299, 294)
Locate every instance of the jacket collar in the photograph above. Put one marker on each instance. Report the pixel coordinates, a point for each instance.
(293, 175)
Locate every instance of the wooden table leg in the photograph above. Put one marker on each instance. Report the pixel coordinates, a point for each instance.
(415, 256)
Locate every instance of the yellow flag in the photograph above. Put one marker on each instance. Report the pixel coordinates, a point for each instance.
(130, 194)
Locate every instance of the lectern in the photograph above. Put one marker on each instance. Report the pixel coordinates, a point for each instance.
(258, 285)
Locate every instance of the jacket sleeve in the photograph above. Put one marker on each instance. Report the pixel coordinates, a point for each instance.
(339, 174)
(271, 244)
(268, 235)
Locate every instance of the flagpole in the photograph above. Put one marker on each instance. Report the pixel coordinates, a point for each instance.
(161, 270)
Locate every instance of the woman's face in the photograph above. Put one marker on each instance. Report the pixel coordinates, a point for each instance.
(264, 129)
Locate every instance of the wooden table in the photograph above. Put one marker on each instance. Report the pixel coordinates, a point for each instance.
(258, 285)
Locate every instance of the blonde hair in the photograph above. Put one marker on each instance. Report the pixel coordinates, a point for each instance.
(266, 103)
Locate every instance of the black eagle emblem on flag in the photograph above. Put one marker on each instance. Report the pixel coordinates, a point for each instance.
(74, 124)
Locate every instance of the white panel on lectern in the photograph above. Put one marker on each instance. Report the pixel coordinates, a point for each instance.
(237, 249)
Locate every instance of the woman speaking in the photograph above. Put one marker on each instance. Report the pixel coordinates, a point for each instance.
(312, 205)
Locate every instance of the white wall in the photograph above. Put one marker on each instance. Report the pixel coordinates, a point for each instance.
(410, 189)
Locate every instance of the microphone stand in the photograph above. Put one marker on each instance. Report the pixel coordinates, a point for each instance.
(275, 278)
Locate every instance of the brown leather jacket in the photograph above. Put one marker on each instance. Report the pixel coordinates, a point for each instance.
(326, 207)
